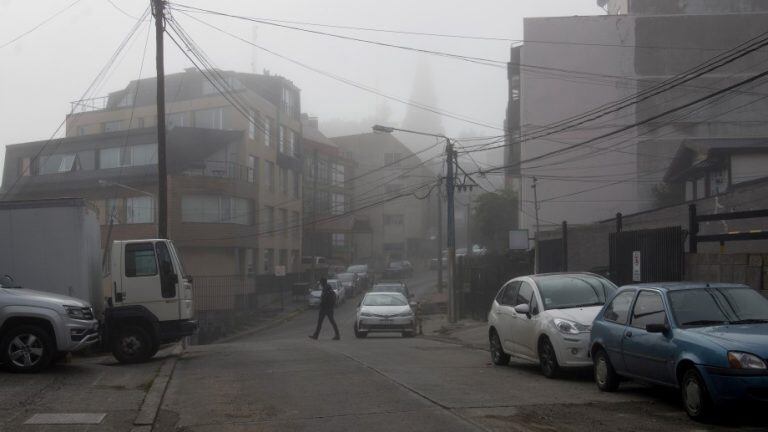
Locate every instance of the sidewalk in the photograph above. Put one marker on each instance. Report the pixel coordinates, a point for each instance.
(469, 333)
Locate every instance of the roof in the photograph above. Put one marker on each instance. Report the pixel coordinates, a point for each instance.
(700, 154)
(676, 286)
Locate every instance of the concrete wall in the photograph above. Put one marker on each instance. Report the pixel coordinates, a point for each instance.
(670, 7)
(748, 269)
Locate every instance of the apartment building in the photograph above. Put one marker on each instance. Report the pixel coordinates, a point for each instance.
(262, 166)
(402, 228)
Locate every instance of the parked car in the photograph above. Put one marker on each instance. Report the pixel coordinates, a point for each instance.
(361, 270)
(38, 327)
(708, 340)
(398, 287)
(316, 293)
(398, 270)
(385, 312)
(546, 319)
(350, 282)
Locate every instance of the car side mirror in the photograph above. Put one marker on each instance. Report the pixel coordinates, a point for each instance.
(7, 281)
(657, 328)
(523, 309)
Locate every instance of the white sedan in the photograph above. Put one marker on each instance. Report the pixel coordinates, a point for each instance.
(315, 295)
(547, 319)
(385, 312)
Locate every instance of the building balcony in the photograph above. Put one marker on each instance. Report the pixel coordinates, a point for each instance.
(89, 105)
(223, 170)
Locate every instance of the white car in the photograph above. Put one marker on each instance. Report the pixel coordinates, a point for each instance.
(547, 319)
(315, 295)
(385, 312)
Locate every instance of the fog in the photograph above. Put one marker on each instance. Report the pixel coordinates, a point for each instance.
(53, 65)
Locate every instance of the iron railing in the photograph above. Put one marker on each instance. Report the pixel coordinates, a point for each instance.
(222, 169)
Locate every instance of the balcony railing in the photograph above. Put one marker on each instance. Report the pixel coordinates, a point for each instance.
(227, 170)
(87, 105)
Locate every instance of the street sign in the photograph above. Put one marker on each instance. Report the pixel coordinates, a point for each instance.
(636, 267)
(280, 270)
(518, 239)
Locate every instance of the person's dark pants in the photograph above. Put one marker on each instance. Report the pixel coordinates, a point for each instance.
(321, 316)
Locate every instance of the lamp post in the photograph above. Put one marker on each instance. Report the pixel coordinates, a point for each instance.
(450, 155)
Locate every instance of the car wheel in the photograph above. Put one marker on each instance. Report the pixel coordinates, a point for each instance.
(133, 345)
(359, 334)
(498, 356)
(605, 376)
(26, 349)
(548, 360)
(696, 398)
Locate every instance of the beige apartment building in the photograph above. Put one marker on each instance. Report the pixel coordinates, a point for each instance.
(265, 162)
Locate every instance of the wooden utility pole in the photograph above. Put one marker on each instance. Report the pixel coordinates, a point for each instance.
(537, 251)
(158, 10)
(439, 237)
(449, 187)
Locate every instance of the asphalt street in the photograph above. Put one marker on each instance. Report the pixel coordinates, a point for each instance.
(280, 380)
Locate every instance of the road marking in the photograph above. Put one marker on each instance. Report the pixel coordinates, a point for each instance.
(66, 419)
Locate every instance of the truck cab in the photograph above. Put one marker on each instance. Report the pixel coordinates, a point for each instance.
(150, 302)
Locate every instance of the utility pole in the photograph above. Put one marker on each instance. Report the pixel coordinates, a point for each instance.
(536, 240)
(449, 186)
(158, 9)
(312, 237)
(439, 237)
(469, 236)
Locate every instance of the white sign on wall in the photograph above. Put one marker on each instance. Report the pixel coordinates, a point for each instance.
(636, 267)
(518, 240)
(280, 270)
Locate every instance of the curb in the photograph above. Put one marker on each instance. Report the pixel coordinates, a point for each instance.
(269, 325)
(154, 398)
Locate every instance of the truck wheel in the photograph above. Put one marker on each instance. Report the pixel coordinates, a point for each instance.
(132, 345)
(26, 348)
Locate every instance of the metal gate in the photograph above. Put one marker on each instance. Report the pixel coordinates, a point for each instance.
(551, 256)
(654, 255)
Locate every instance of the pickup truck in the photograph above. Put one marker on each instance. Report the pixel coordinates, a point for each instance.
(37, 328)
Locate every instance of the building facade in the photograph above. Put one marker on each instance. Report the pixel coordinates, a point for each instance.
(401, 228)
(574, 64)
(262, 166)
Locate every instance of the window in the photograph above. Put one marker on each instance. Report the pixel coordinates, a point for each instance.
(252, 124)
(174, 120)
(571, 291)
(524, 294)
(112, 126)
(296, 222)
(296, 184)
(269, 260)
(270, 173)
(215, 209)
(718, 182)
(25, 167)
(267, 131)
(282, 139)
(338, 240)
(322, 171)
(701, 190)
(140, 260)
(144, 154)
(112, 208)
(58, 163)
(295, 149)
(338, 175)
(127, 100)
(338, 204)
(392, 159)
(509, 294)
(210, 118)
(283, 257)
(167, 285)
(140, 210)
(137, 155)
(253, 168)
(618, 310)
(290, 104)
(269, 219)
(249, 261)
(649, 309)
(390, 219)
(283, 219)
(284, 181)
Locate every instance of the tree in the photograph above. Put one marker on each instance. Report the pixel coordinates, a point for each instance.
(494, 215)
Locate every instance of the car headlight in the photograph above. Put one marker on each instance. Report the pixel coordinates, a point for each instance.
(570, 327)
(742, 360)
(404, 314)
(75, 312)
(366, 314)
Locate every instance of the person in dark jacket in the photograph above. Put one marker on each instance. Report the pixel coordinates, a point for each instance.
(327, 303)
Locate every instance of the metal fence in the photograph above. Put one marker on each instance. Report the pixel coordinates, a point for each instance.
(240, 292)
(480, 278)
(653, 255)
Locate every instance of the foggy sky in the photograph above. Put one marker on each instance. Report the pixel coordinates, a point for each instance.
(41, 73)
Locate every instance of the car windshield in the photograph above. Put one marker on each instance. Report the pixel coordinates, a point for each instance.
(385, 299)
(713, 306)
(345, 277)
(357, 269)
(572, 291)
(388, 288)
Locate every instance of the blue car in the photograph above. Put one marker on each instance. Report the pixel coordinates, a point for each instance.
(708, 340)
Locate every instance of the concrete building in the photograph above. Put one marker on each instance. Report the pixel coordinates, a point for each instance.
(400, 229)
(328, 197)
(574, 64)
(267, 151)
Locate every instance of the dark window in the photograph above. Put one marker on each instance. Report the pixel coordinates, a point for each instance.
(140, 260)
(649, 309)
(618, 310)
(510, 294)
(167, 284)
(525, 294)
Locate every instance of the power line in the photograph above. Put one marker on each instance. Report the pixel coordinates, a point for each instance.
(42, 23)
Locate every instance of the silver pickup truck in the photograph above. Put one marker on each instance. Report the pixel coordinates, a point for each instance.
(37, 328)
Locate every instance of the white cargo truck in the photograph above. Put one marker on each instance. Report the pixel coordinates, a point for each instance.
(141, 295)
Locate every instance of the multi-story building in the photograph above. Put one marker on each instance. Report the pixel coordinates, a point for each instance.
(328, 194)
(262, 165)
(401, 228)
(574, 64)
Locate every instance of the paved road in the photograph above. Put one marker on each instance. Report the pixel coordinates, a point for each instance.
(280, 380)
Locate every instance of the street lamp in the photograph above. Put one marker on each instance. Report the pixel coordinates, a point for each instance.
(450, 155)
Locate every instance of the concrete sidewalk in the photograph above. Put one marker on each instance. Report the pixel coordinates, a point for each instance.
(468, 333)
